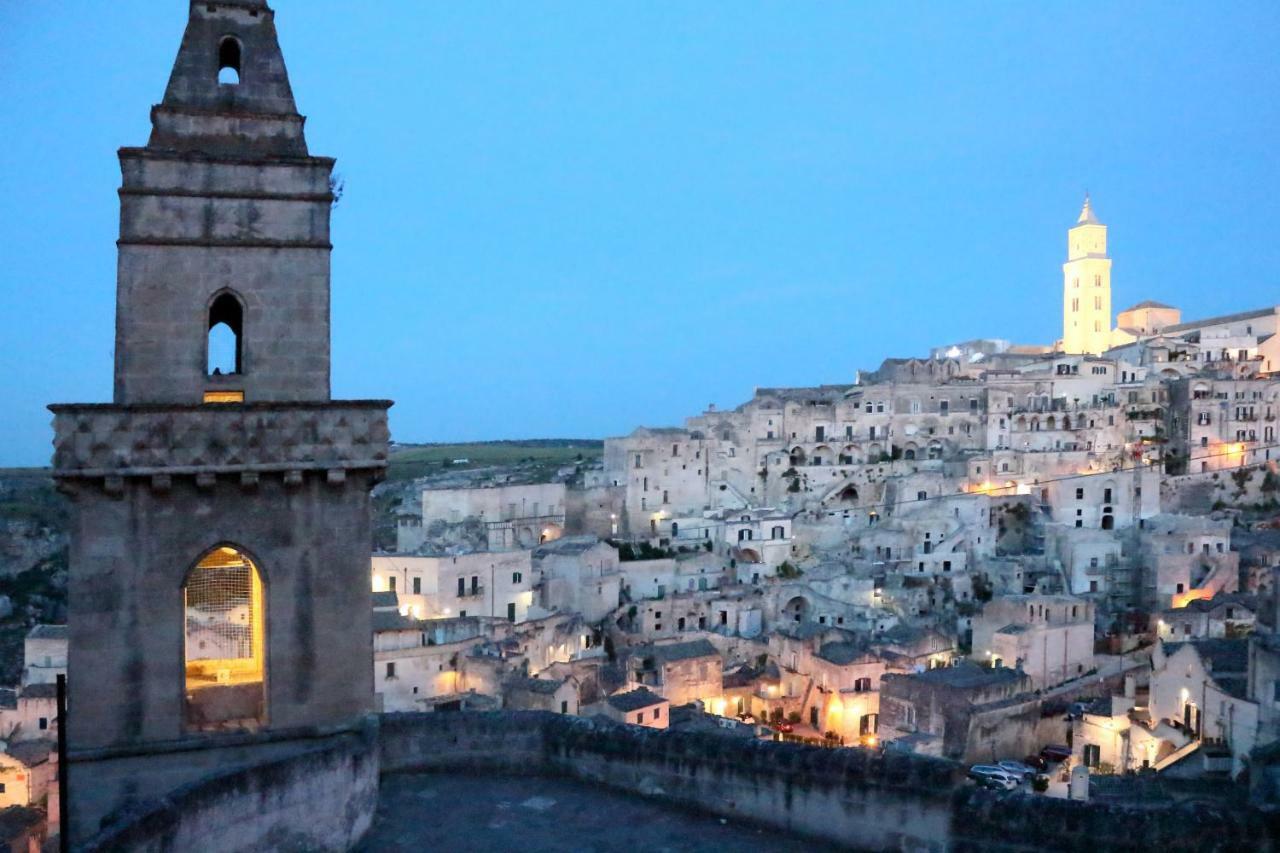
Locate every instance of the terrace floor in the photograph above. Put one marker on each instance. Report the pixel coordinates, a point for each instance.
(533, 814)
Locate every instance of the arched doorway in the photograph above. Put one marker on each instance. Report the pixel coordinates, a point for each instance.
(551, 531)
(224, 642)
(797, 609)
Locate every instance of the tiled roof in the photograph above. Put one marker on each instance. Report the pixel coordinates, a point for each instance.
(48, 632)
(682, 651)
(32, 752)
(968, 674)
(842, 654)
(634, 700)
(544, 686)
(567, 545)
(1222, 656)
(1225, 318)
(40, 691)
(384, 620)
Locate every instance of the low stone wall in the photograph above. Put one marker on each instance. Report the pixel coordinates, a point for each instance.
(324, 798)
(1197, 493)
(858, 799)
(320, 799)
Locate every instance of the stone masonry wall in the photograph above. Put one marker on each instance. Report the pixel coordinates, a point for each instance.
(320, 799)
(1198, 493)
(857, 799)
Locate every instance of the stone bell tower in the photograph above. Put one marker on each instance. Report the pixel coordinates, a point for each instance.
(1086, 286)
(219, 593)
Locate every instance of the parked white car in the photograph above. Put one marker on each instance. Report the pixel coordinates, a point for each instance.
(1017, 768)
(994, 776)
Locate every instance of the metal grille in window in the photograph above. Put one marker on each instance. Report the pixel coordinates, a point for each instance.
(219, 608)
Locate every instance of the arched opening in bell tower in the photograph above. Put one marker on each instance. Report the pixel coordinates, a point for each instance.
(229, 61)
(224, 642)
(226, 331)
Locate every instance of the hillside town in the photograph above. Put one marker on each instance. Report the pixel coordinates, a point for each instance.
(1060, 557)
(996, 595)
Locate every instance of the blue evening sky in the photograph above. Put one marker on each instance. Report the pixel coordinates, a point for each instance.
(567, 219)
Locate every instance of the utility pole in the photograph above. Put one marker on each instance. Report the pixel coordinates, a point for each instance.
(64, 804)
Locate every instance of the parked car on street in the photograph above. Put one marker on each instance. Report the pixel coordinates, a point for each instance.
(993, 776)
(1019, 769)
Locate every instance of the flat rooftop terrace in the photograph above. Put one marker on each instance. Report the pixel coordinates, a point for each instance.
(533, 814)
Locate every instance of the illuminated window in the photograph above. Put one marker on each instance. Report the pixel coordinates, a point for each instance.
(224, 396)
(223, 604)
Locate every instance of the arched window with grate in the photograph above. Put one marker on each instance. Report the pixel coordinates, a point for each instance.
(225, 642)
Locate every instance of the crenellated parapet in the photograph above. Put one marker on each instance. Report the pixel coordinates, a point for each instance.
(110, 441)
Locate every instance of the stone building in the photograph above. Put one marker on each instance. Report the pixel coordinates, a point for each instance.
(44, 654)
(1047, 637)
(1226, 616)
(485, 583)
(682, 672)
(520, 516)
(638, 706)
(1094, 564)
(1186, 558)
(541, 694)
(965, 712)
(29, 713)
(219, 542)
(1220, 420)
(844, 695)
(1200, 689)
(578, 574)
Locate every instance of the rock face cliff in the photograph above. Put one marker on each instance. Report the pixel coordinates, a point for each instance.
(33, 562)
(33, 521)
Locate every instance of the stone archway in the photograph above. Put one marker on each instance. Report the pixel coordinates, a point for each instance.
(797, 609)
(224, 642)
